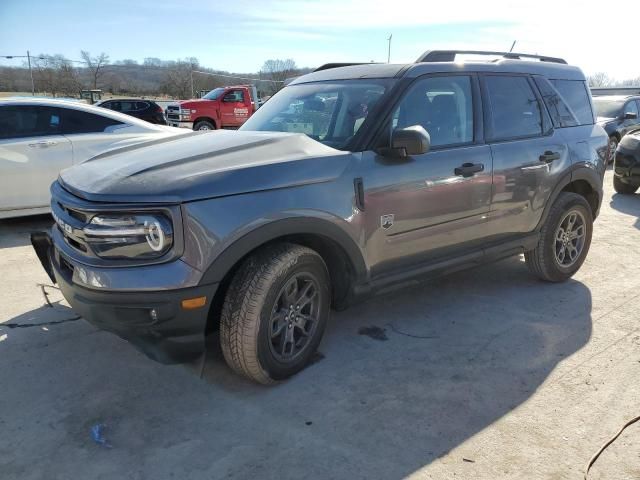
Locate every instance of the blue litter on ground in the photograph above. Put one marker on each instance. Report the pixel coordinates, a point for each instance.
(97, 433)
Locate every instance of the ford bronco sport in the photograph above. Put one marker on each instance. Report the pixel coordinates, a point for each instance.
(347, 181)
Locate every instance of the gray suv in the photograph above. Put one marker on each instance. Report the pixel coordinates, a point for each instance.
(349, 180)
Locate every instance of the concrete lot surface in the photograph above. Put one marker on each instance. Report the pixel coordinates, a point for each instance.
(485, 374)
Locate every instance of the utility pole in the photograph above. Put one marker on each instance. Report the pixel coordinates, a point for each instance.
(192, 92)
(512, 45)
(33, 87)
(389, 49)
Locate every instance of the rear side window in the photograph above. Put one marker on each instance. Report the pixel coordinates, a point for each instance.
(515, 110)
(76, 121)
(142, 105)
(574, 93)
(22, 121)
(560, 112)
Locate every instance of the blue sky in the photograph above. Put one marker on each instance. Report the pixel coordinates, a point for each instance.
(240, 35)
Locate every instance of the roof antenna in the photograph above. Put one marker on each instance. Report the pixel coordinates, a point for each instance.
(512, 45)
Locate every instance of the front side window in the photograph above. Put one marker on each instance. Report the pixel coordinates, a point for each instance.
(606, 108)
(329, 112)
(574, 93)
(631, 108)
(515, 111)
(22, 121)
(234, 96)
(77, 121)
(443, 106)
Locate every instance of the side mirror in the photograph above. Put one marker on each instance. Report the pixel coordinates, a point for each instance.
(630, 116)
(414, 140)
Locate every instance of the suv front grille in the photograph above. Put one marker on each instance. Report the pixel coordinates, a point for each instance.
(70, 222)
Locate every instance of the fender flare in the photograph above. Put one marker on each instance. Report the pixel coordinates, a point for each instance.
(577, 172)
(229, 257)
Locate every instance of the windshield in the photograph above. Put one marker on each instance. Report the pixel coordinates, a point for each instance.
(213, 94)
(329, 112)
(608, 108)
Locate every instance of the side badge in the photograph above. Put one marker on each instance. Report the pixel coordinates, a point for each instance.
(386, 221)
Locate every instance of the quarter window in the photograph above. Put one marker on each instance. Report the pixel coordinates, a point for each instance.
(515, 111)
(28, 121)
(574, 93)
(76, 121)
(443, 106)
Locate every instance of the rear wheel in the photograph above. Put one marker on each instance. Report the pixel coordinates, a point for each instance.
(275, 312)
(623, 188)
(564, 239)
(204, 125)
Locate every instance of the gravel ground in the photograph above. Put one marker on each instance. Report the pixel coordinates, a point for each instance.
(484, 374)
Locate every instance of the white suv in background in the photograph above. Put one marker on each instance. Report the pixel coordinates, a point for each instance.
(40, 137)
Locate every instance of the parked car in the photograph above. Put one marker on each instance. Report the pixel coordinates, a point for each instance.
(146, 110)
(347, 181)
(626, 168)
(224, 107)
(40, 137)
(618, 115)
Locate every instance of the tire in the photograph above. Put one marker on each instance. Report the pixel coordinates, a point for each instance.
(613, 144)
(546, 260)
(623, 188)
(204, 125)
(257, 328)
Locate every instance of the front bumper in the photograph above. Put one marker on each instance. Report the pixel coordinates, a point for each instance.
(627, 167)
(153, 321)
(179, 124)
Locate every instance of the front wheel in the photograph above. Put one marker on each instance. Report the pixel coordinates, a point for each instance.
(623, 188)
(564, 239)
(204, 125)
(275, 312)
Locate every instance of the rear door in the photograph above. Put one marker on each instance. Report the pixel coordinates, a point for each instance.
(91, 134)
(529, 155)
(423, 208)
(32, 152)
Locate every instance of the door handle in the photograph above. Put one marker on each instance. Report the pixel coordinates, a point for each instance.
(549, 156)
(43, 144)
(469, 169)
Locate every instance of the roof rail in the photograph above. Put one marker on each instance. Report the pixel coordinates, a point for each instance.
(327, 66)
(450, 56)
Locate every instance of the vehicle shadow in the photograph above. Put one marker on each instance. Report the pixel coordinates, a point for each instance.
(14, 232)
(629, 204)
(404, 378)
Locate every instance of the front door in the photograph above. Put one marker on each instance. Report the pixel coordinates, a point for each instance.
(234, 108)
(423, 208)
(32, 153)
(630, 124)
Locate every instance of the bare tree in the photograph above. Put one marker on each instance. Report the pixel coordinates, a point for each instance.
(277, 71)
(600, 79)
(179, 77)
(55, 74)
(95, 65)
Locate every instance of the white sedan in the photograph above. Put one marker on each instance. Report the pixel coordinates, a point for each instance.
(40, 137)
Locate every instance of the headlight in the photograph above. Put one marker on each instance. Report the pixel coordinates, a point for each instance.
(129, 236)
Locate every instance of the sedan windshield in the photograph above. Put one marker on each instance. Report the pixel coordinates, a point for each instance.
(329, 112)
(608, 108)
(213, 94)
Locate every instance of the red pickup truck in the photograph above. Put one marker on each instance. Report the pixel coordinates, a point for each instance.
(224, 107)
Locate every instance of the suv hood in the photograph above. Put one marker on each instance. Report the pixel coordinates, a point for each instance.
(204, 165)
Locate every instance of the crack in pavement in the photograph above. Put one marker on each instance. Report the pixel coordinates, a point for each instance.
(43, 324)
